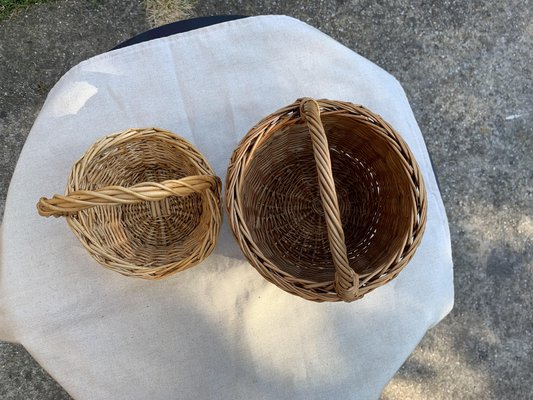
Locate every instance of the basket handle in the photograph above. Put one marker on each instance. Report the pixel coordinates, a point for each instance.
(113, 195)
(346, 279)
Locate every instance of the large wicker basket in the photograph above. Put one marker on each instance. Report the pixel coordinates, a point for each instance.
(326, 200)
(143, 202)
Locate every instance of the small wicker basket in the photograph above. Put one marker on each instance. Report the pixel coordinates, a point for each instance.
(143, 202)
(326, 200)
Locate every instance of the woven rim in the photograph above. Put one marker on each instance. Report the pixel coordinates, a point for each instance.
(263, 206)
(143, 202)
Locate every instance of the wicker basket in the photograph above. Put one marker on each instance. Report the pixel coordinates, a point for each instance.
(143, 202)
(326, 200)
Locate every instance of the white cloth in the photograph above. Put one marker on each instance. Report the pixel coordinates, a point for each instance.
(219, 330)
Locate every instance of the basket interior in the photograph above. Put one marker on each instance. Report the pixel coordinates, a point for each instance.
(149, 233)
(282, 209)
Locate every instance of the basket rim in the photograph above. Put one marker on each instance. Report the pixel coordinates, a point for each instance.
(212, 198)
(112, 140)
(241, 159)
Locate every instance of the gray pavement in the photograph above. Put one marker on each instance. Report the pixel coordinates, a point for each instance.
(466, 69)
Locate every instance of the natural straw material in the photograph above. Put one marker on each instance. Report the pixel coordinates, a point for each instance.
(326, 200)
(143, 202)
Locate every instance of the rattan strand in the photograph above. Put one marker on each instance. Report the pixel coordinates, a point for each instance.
(143, 202)
(326, 225)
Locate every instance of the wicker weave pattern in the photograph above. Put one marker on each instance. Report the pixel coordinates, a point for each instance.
(143, 202)
(326, 200)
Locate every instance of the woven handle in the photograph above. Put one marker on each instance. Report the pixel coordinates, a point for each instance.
(346, 279)
(113, 195)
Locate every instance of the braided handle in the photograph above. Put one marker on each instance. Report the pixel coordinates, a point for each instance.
(113, 195)
(346, 279)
